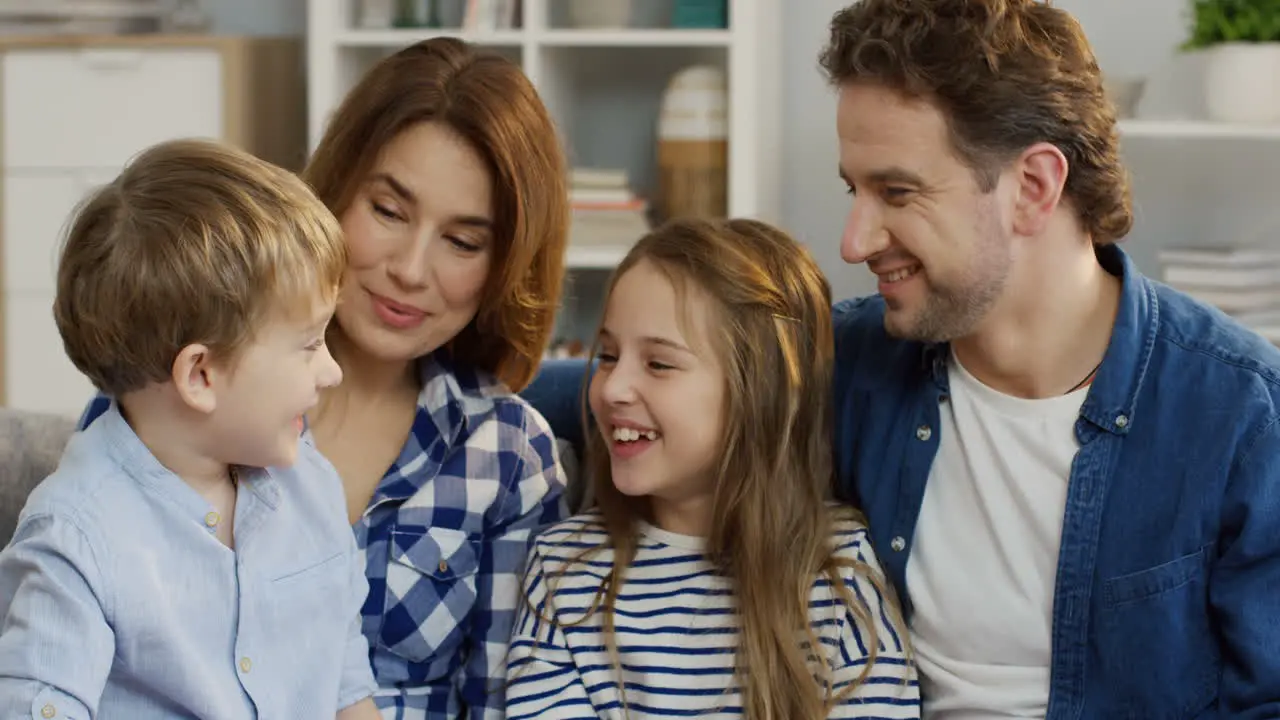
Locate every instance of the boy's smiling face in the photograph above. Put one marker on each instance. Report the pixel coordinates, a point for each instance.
(275, 379)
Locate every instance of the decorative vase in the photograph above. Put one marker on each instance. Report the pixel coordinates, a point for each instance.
(1242, 83)
(599, 13)
(700, 14)
(693, 144)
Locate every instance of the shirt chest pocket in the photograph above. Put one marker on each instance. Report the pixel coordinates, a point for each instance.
(431, 590)
(312, 599)
(1158, 620)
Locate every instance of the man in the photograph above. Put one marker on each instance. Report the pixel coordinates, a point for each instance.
(1072, 473)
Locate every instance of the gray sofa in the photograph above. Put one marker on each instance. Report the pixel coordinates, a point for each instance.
(30, 446)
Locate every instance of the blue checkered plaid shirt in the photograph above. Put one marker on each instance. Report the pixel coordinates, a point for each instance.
(445, 537)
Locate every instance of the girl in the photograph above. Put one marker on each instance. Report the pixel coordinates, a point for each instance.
(714, 577)
(444, 168)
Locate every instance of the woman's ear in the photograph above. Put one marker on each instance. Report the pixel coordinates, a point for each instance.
(196, 378)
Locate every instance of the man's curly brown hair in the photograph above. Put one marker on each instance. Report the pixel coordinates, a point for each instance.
(1006, 74)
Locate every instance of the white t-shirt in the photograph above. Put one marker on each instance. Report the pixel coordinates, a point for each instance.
(982, 568)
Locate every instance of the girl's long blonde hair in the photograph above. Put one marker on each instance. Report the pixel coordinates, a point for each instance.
(772, 527)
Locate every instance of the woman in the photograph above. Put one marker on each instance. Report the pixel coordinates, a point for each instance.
(445, 171)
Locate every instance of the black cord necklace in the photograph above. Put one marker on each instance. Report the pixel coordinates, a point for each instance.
(1086, 379)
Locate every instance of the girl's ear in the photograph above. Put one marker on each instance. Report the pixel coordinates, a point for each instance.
(196, 378)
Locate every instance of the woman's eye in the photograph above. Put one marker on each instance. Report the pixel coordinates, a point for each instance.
(385, 211)
(463, 245)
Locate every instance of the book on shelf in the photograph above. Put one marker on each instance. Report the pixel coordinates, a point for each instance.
(606, 213)
(1243, 282)
(484, 15)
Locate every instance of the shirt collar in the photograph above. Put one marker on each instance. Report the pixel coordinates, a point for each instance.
(133, 457)
(456, 397)
(1113, 396)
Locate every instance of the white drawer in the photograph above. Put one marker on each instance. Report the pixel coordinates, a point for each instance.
(97, 107)
(37, 215)
(38, 375)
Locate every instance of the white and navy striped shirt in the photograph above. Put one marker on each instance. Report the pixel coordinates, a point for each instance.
(676, 633)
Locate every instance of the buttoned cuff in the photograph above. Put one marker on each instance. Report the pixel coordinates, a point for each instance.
(50, 704)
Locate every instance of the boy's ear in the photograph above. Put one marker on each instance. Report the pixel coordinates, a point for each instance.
(196, 377)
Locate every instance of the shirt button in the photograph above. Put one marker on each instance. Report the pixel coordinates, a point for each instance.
(897, 544)
(444, 566)
(212, 519)
(48, 711)
(1122, 421)
(245, 665)
(923, 433)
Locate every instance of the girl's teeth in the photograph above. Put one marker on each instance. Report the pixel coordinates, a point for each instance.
(631, 434)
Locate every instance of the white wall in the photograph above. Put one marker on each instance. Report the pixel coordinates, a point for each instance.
(258, 17)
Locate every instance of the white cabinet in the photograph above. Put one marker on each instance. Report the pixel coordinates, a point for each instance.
(72, 113)
(38, 375)
(108, 103)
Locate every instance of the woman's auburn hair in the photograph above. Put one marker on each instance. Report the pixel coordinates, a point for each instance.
(489, 102)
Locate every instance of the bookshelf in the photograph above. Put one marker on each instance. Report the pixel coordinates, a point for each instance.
(1197, 130)
(604, 88)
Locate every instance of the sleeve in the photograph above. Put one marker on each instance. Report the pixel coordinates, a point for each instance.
(533, 498)
(357, 681)
(890, 688)
(56, 644)
(542, 679)
(1244, 582)
(847, 324)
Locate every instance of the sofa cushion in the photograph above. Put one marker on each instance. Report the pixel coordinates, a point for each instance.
(30, 446)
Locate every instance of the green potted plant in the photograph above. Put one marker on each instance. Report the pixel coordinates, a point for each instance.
(1241, 41)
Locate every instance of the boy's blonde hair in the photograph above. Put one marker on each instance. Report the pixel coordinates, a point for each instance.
(194, 242)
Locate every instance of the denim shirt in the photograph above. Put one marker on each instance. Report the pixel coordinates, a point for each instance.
(1167, 596)
(117, 600)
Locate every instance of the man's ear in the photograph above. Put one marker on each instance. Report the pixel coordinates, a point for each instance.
(197, 378)
(1041, 175)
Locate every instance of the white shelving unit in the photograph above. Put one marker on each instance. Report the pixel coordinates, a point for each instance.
(1197, 130)
(582, 74)
(604, 90)
(1199, 183)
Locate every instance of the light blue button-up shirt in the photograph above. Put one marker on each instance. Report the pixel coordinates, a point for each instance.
(117, 600)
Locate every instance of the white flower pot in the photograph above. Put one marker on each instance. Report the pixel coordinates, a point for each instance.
(599, 13)
(1242, 83)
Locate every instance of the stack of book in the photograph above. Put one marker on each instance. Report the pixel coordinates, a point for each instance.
(606, 213)
(1243, 282)
(81, 17)
(491, 15)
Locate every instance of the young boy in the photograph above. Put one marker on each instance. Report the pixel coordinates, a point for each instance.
(190, 557)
